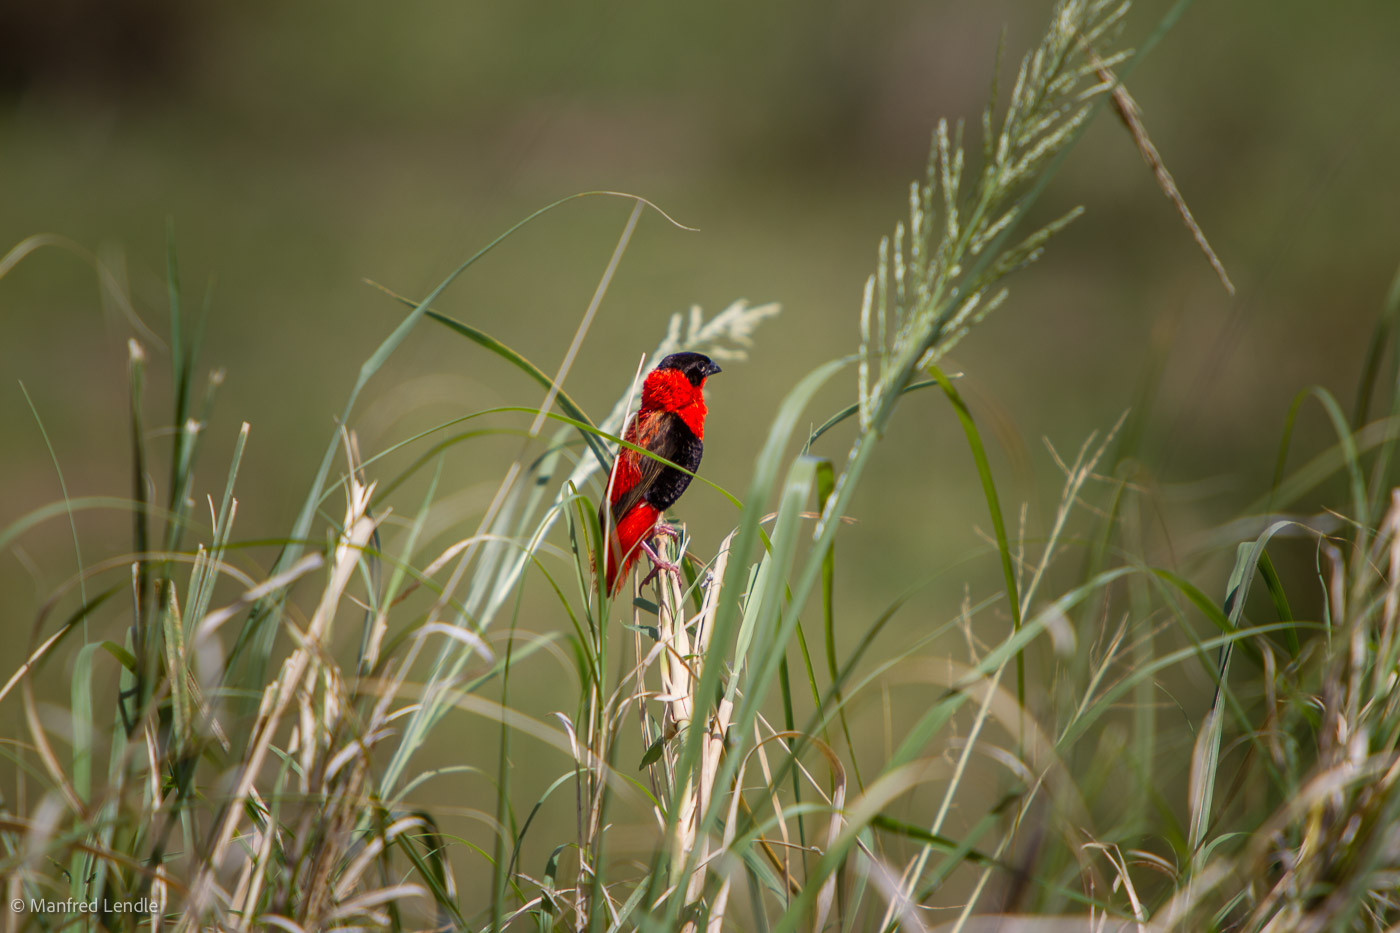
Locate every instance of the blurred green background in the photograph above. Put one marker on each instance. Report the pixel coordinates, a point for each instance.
(299, 149)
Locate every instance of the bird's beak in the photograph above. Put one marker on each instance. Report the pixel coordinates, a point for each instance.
(714, 368)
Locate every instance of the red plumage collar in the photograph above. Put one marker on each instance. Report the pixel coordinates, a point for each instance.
(670, 390)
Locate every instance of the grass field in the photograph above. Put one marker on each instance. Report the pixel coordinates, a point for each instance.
(1037, 574)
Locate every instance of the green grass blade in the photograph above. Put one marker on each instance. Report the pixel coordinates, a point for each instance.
(534, 811)
(1350, 453)
(851, 410)
(989, 493)
(203, 592)
(746, 542)
(179, 362)
(1380, 469)
(519, 361)
(63, 488)
(1376, 347)
(430, 870)
(254, 644)
(140, 517)
(1280, 598)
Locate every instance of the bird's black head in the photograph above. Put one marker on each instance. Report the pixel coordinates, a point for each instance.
(696, 366)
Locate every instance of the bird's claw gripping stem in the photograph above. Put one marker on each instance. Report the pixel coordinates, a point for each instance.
(658, 563)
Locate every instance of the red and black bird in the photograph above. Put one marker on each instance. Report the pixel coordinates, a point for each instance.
(670, 424)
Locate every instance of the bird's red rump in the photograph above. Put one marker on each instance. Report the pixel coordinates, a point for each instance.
(625, 544)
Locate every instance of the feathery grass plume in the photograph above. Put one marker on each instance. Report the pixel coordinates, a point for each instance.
(935, 279)
(939, 275)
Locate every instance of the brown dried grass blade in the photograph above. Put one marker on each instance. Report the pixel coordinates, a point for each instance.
(1128, 111)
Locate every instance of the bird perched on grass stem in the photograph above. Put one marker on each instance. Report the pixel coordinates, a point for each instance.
(670, 424)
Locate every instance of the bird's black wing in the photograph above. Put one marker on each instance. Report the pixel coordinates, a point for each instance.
(660, 484)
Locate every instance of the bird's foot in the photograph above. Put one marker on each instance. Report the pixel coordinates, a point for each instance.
(658, 563)
(663, 530)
